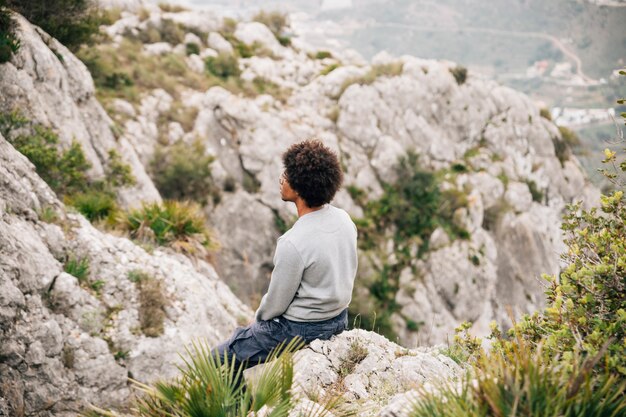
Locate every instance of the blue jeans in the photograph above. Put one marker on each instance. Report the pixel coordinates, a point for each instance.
(253, 344)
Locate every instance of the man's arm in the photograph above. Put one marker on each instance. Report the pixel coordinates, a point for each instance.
(285, 281)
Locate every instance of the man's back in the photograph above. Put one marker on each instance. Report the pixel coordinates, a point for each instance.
(314, 268)
(325, 241)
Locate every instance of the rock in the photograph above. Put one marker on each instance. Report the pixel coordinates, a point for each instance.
(123, 107)
(195, 63)
(192, 38)
(218, 43)
(158, 48)
(255, 32)
(383, 370)
(518, 196)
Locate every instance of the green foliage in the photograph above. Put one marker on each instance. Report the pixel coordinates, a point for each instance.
(459, 73)
(264, 86)
(330, 68)
(78, 268)
(126, 71)
(409, 211)
(93, 204)
(71, 22)
(413, 325)
(523, 382)
(587, 302)
(9, 43)
(183, 171)
(323, 55)
(545, 113)
(167, 31)
(64, 171)
(536, 193)
(223, 66)
(208, 387)
(192, 48)
(97, 285)
(118, 174)
(410, 204)
(180, 225)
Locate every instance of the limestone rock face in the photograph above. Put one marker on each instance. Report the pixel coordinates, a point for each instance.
(379, 382)
(65, 341)
(47, 84)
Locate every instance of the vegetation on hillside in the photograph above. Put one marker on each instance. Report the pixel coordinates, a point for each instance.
(65, 169)
(570, 358)
(71, 22)
(9, 43)
(407, 213)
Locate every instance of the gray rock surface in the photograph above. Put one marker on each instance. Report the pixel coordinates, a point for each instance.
(378, 383)
(66, 342)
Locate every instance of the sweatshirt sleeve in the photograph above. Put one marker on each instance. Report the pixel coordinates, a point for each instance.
(285, 281)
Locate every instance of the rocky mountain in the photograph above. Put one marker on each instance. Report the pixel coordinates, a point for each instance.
(505, 170)
(82, 309)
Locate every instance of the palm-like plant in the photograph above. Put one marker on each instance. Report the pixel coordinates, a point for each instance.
(209, 387)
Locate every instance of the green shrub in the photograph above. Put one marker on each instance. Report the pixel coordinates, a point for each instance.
(94, 204)
(329, 69)
(118, 174)
(71, 22)
(323, 55)
(411, 204)
(183, 171)
(569, 137)
(64, 171)
(223, 66)
(536, 193)
(180, 225)
(459, 73)
(587, 302)
(127, 72)
(9, 43)
(78, 268)
(192, 48)
(545, 113)
(523, 382)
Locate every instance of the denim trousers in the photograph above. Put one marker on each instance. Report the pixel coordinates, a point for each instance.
(253, 344)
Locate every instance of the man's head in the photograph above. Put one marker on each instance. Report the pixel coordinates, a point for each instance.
(312, 172)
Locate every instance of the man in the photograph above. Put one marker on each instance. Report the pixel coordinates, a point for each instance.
(314, 264)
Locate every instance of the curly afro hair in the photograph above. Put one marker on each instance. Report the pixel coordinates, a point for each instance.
(312, 170)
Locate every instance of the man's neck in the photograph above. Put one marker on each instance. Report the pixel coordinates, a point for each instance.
(303, 208)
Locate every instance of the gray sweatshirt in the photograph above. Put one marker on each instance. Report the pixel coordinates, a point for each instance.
(314, 268)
